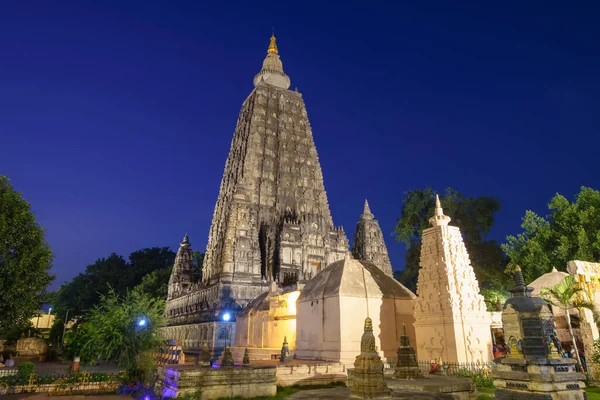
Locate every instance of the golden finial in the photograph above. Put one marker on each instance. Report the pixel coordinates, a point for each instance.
(368, 325)
(272, 45)
(404, 329)
(517, 269)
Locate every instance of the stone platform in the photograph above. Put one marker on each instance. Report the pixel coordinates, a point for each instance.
(304, 372)
(214, 383)
(441, 387)
(255, 354)
(343, 393)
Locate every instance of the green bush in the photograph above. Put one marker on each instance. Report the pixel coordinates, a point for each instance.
(24, 372)
(481, 378)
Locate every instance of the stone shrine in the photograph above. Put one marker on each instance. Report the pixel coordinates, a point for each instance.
(368, 242)
(406, 366)
(271, 220)
(533, 368)
(452, 323)
(367, 379)
(32, 349)
(332, 305)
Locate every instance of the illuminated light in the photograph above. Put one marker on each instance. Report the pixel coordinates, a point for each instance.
(142, 322)
(226, 317)
(292, 297)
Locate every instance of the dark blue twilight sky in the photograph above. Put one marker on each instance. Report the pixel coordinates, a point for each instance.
(116, 116)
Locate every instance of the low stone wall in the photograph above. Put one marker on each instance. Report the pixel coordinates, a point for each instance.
(311, 374)
(59, 389)
(213, 383)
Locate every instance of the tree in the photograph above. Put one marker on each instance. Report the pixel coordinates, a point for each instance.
(25, 259)
(113, 273)
(475, 218)
(566, 295)
(198, 261)
(121, 328)
(570, 232)
(156, 283)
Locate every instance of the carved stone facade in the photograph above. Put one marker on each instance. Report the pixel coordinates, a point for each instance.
(452, 323)
(271, 220)
(368, 242)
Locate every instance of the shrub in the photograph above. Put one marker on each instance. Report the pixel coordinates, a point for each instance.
(481, 378)
(24, 372)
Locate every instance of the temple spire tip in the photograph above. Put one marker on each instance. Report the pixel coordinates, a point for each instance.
(273, 44)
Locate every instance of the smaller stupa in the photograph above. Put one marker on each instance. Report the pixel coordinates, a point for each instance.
(406, 366)
(367, 379)
(285, 351)
(533, 368)
(246, 359)
(227, 359)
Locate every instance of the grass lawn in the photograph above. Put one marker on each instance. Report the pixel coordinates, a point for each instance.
(593, 393)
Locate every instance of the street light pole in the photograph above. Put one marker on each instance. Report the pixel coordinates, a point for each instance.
(62, 342)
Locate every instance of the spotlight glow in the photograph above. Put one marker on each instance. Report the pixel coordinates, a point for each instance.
(226, 317)
(142, 322)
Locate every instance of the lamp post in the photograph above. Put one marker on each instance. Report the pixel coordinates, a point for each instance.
(226, 318)
(49, 310)
(62, 341)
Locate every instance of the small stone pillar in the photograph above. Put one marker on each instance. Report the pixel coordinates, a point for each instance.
(407, 366)
(246, 359)
(367, 380)
(285, 351)
(75, 365)
(227, 359)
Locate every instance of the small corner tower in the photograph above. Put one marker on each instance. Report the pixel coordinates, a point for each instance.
(451, 320)
(183, 270)
(368, 242)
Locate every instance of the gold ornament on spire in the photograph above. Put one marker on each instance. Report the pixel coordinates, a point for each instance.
(273, 46)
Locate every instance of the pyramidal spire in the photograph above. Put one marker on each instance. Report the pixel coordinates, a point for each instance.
(367, 212)
(439, 219)
(272, 68)
(186, 240)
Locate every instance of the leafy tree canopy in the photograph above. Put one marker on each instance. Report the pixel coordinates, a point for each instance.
(570, 232)
(86, 289)
(119, 328)
(25, 259)
(475, 218)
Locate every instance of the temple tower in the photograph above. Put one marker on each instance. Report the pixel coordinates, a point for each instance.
(451, 321)
(272, 219)
(368, 242)
(182, 275)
